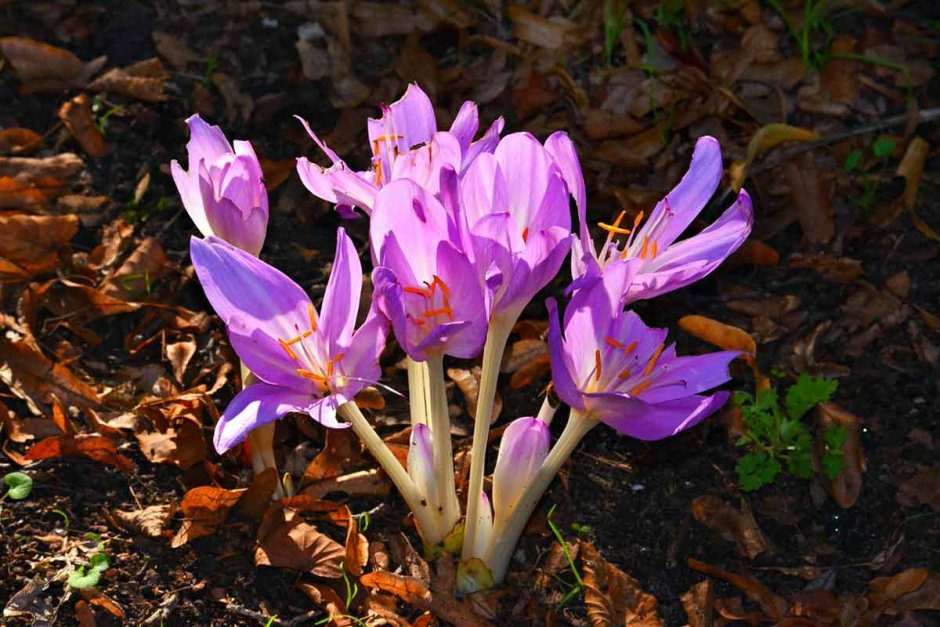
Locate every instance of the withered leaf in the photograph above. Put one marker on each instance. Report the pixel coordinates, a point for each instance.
(847, 485)
(730, 524)
(17, 141)
(551, 33)
(612, 597)
(810, 192)
(357, 549)
(408, 589)
(31, 245)
(143, 81)
(181, 444)
(771, 604)
(341, 451)
(79, 303)
(699, 604)
(287, 541)
(33, 378)
(724, 336)
(205, 509)
(149, 521)
(41, 66)
(95, 447)
(25, 429)
(77, 117)
(135, 278)
(767, 137)
(257, 499)
(921, 489)
(884, 591)
(468, 381)
(174, 50)
(179, 354)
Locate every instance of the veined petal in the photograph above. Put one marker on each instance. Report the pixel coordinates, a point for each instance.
(562, 149)
(522, 449)
(532, 270)
(362, 355)
(337, 184)
(404, 124)
(466, 124)
(259, 306)
(411, 214)
(256, 405)
(561, 361)
(206, 142)
(483, 190)
(341, 299)
(646, 421)
(526, 163)
(187, 183)
(683, 376)
(423, 164)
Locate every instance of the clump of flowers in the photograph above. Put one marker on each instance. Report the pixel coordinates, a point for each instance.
(463, 232)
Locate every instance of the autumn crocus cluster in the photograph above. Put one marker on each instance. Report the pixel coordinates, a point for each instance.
(463, 231)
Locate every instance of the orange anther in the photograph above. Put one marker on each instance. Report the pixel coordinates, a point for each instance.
(613, 342)
(313, 316)
(637, 219)
(615, 227)
(525, 234)
(630, 348)
(446, 311)
(641, 388)
(287, 349)
(440, 283)
(624, 374)
(653, 250)
(652, 361)
(646, 241)
(416, 290)
(312, 376)
(597, 365)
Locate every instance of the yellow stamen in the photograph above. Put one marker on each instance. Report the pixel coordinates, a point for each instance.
(313, 317)
(641, 388)
(597, 365)
(646, 241)
(615, 227)
(287, 349)
(652, 361)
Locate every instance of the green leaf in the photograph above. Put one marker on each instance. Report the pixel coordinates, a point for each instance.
(807, 392)
(800, 463)
(833, 460)
(99, 562)
(852, 160)
(883, 146)
(80, 580)
(756, 469)
(19, 485)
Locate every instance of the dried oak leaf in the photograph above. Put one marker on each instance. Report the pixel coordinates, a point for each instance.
(699, 604)
(95, 447)
(77, 117)
(31, 245)
(469, 383)
(40, 66)
(35, 379)
(77, 303)
(143, 80)
(149, 521)
(136, 276)
(205, 509)
(811, 195)
(287, 541)
(257, 499)
(730, 524)
(612, 597)
(357, 549)
(912, 589)
(18, 141)
(341, 450)
(25, 429)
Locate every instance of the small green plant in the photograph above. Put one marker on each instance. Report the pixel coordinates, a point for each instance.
(881, 149)
(776, 436)
(102, 112)
(614, 23)
(87, 576)
(19, 485)
(577, 587)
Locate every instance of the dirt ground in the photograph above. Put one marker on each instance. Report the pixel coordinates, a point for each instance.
(850, 289)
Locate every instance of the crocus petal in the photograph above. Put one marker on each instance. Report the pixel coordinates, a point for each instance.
(337, 184)
(646, 421)
(332, 156)
(258, 304)
(341, 299)
(522, 449)
(404, 124)
(683, 376)
(187, 183)
(485, 144)
(561, 362)
(538, 264)
(693, 258)
(206, 142)
(483, 190)
(423, 164)
(484, 528)
(466, 124)
(562, 150)
(411, 214)
(362, 354)
(259, 404)
(524, 162)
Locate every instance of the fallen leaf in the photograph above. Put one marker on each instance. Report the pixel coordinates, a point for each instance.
(371, 482)
(174, 50)
(838, 269)
(724, 336)
(143, 81)
(135, 278)
(329, 601)
(205, 509)
(33, 378)
(84, 614)
(767, 137)
(699, 604)
(150, 521)
(77, 117)
(884, 591)
(255, 502)
(730, 524)
(100, 599)
(16, 141)
(810, 192)
(31, 245)
(181, 444)
(287, 541)
(179, 354)
(612, 597)
(753, 252)
(40, 66)
(552, 33)
(357, 549)
(847, 485)
(78, 303)
(27, 182)
(237, 103)
(468, 381)
(341, 450)
(771, 604)
(95, 447)
(22, 430)
(370, 397)
(409, 589)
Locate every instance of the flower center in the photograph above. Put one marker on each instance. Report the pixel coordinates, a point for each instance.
(435, 301)
(622, 359)
(310, 368)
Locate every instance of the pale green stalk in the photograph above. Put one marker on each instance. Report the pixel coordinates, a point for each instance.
(418, 399)
(261, 441)
(423, 512)
(496, 337)
(506, 531)
(547, 410)
(439, 422)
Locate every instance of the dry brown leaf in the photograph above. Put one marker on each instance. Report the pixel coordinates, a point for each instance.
(99, 599)
(521, 352)
(143, 81)
(409, 589)
(40, 66)
(149, 521)
(767, 137)
(77, 117)
(78, 303)
(174, 50)
(884, 591)
(179, 354)
(329, 601)
(911, 168)
(341, 450)
(257, 499)
(753, 252)
(552, 33)
(838, 269)
(730, 524)
(85, 615)
(237, 103)
(371, 482)
(699, 604)
(847, 485)
(25, 429)
(724, 336)
(357, 549)
(181, 444)
(370, 397)
(810, 193)
(31, 245)
(33, 378)
(135, 278)
(286, 540)
(531, 372)
(60, 417)
(612, 597)
(468, 381)
(771, 604)
(205, 509)
(18, 141)
(839, 77)
(95, 447)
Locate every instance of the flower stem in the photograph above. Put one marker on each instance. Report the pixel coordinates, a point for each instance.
(492, 357)
(547, 410)
(418, 391)
(439, 419)
(424, 516)
(506, 532)
(261, 441)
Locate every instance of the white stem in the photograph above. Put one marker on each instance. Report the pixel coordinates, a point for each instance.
(261, 441)
(547, 410)
(418, 399)
(493, 350)
(439, 418)
(423, 512)
(506, 532)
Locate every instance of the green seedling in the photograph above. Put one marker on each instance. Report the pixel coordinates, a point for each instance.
(89, 575)
(776, 436)
(577, 587)
(19, 485)
(614, 23)
(881, 149)
(102, 113)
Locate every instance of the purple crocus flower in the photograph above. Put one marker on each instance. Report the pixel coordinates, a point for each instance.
(665, 264)
(424, 283)
(611, 367)
(223, 191)
(515, 216)
(305, 361)
(405, 143)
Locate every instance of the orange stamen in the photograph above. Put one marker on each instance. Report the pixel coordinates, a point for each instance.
(312, 376)
(641, 388)
(525, 234)
(630, 348)
(597, 365)
(378, 172)
(652, 361)
(417, 290)
(646, 241)
(440, 283)
(615, 227)
(653, 250)
(313, 316)
(637, 219)
(447, 311)
(287, 349)
(613, 342)
(624, 374)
